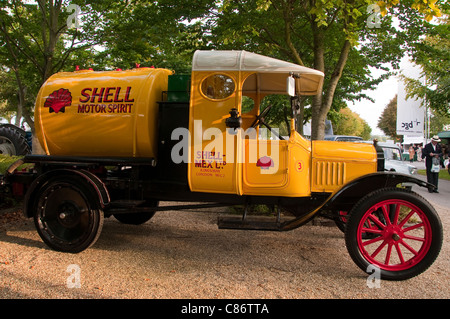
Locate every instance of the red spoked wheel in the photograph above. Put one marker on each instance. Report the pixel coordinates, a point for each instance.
(396, 231)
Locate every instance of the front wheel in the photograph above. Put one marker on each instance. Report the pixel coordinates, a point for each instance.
(396, 231)
(67, 214)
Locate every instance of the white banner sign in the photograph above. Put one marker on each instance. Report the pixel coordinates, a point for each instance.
(410, 113)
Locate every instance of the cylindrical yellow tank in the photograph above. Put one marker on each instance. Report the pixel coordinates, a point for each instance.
(100, 114)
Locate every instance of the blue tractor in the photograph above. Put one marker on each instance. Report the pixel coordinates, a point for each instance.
(14, 141)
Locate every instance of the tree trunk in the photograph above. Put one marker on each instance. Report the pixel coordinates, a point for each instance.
(322, 102)
(318, 116)
(301, 115)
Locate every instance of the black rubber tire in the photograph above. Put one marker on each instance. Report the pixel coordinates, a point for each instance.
(67, 214)
(134, 218)
(15, 142)
(340, 219)
(426, 254)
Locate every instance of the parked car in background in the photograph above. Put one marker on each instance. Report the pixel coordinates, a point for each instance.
(393, 159)
(343, 138)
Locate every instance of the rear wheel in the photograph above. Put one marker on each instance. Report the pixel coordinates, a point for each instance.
(67, 215)
(396, 231)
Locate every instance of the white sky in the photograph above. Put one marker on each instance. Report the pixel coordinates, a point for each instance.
(384, 93)
(371, 112)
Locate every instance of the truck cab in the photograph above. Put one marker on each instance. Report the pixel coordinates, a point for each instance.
(252, 158)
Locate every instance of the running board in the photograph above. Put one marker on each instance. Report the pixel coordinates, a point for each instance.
(249, 223)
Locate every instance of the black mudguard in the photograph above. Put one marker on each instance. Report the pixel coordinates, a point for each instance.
(356, 189)
(349, 194)
(94, 181)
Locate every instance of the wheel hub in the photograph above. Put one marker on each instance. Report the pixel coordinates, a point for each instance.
(6, 148)
(396, 237)
(393, 233)
(68, 214)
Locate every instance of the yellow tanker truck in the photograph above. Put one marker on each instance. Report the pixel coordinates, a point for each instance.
(117, 143)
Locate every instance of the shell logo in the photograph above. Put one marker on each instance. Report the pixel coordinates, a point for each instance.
(265, 162)
(58, 100)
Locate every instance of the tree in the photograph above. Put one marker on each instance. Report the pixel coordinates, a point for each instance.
(36, 42)
(36, 39)
(350, 123)
(432, 55)
(323, 35)
(437, 122)
(388, 120)
(160, 33)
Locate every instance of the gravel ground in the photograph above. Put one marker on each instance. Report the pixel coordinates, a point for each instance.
(183, 255)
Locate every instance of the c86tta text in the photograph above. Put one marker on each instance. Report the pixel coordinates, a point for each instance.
(231, 308)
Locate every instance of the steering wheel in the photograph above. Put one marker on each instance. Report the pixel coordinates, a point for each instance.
(260, 118)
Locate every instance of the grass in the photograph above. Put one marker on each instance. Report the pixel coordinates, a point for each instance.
(443, 173)
(6, 161)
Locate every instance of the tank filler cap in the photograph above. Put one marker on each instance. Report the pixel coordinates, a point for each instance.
(78, 70)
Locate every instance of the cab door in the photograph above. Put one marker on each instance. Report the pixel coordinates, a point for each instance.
(214, 166)
(265, 166)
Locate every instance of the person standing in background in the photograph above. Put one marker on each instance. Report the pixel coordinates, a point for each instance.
(412, 152)
(430, 151)
(419, 153)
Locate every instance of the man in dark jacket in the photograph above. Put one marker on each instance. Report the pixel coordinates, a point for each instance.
(430, 151)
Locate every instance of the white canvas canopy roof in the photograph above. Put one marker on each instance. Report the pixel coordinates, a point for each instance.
(272, 73)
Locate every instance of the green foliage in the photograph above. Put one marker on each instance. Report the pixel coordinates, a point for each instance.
(332, 36)
(35, 42)
(350, 123)
(388, 120)
(149, 33)
(7, 161)
(438, 121)
(432, 55)
(443, 173)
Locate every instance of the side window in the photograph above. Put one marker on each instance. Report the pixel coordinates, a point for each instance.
(218, 87)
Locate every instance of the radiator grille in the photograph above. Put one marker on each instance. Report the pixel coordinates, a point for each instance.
(330, 173)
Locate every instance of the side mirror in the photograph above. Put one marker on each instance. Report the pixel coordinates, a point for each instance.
(290, 86)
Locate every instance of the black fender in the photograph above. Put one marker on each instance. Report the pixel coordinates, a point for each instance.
(347, 195)
(99, 187)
